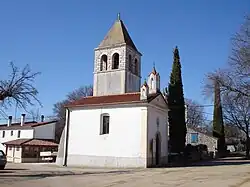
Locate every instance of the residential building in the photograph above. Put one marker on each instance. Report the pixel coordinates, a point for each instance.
(195, 137)
(125, 124)
(29, 150)
(40, 133)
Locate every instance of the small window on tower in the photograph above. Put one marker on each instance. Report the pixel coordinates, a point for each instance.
(152, 82)
(157, 122)
(115, 61)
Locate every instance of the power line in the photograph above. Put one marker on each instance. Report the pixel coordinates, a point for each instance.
(3, 114)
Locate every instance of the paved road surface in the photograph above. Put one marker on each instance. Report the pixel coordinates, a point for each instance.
(226, 173)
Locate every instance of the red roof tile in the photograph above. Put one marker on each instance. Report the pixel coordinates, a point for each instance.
(16, 142)
(111, 99)
(36, 142)
(31, 142)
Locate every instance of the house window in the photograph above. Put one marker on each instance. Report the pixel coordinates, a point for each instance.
(17, 149)
(104, 124)
(3, 135)
(19, 134)
(194, 137)
(11, 133)
(10, 148)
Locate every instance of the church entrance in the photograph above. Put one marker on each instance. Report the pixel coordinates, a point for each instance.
(157, 149)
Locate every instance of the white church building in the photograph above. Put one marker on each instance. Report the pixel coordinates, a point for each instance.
(124, 123)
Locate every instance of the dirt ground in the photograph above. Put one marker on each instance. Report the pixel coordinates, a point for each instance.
(223, 173)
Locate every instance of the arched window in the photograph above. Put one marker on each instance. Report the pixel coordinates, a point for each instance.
(136, 67)
(104, 63)
(152, 83)
(115, 61)
(157, 122)
(104, 128)
(130, 62)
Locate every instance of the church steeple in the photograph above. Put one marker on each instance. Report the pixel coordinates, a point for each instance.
(118, 16)
(154, 81)
(117, 68)
(117, 35)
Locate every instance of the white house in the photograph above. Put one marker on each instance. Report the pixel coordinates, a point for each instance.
(13, 136)
(125, 124)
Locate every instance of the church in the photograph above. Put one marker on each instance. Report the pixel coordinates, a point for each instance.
(125, 122)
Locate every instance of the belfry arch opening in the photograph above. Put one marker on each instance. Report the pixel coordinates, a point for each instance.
(136, 67)
(115, 61)
(104, 63)
(130, 63)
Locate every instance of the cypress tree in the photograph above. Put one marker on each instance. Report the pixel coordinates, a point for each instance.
(218, 125)
(176, 104)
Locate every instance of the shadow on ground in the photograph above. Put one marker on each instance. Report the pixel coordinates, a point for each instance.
(14, 169)
(4, 171)
(218, 162)
(42, 174)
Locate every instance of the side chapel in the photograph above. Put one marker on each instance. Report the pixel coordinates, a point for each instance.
(124, 123)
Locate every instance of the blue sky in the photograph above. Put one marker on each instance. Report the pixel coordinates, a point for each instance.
(57, 37)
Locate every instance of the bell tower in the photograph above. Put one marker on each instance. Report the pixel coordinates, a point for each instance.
(117, 64)
(154, 81)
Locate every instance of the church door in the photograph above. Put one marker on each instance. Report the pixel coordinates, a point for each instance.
(157, 150)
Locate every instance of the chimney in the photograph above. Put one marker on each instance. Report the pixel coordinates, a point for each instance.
(42, 118)
(22, 119)
(9, 121)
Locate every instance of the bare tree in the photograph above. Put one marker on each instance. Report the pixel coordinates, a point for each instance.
(237, 113)
(195, 114)
(59, 109)
(236, 77)
(234, 82)
(19, 88)
(35, 115)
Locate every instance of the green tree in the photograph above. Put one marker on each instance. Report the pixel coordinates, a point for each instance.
(177, 124)
(218, 125)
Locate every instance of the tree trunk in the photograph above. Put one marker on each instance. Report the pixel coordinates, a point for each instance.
(247, 142)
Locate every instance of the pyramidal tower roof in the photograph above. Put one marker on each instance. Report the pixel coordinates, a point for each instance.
(118, 34)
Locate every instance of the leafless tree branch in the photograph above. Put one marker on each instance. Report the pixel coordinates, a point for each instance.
(19, 88)
(195, 114)
(236, 77)
(59, 109)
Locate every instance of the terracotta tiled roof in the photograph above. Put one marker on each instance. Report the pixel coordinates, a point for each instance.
(16, 142)
(112, 99)
(27, 125)
(31, 142)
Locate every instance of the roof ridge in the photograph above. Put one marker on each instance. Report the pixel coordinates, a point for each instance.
(129, 93)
